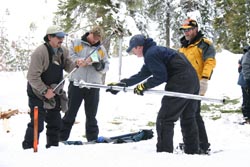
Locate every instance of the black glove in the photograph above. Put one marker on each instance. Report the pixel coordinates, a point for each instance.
(114, 92)
(99, 66)
(140, 88)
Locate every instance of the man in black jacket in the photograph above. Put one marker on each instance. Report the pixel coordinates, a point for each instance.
(246, 86)
(161, 65)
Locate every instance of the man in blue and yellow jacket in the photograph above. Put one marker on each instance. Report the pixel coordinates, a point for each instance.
(201, 54)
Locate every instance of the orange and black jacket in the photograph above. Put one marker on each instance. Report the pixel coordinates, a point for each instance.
(201, 54)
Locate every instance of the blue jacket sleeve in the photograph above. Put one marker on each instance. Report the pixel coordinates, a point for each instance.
(140, 76)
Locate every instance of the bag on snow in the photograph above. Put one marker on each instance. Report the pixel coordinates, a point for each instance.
(126, 138)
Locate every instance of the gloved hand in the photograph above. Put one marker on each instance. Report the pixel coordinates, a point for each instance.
(203, 86)
(140, 88)
(99, 66)
(114, 92)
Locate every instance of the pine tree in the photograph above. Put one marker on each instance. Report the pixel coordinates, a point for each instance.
(201, 11)
(232, 24)
(4, 44)
(162, 12)
(78, 16)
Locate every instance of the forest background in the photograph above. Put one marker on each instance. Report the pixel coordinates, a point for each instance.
(225, 22)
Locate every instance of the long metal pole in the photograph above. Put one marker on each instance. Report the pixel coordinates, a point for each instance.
(82, 84)
(65, 78)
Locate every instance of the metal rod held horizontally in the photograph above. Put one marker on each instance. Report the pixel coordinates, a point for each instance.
(82, 84)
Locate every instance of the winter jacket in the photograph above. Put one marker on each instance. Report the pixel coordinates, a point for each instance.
(40, 63)
(163, 64)
(80, 49)
(241, 80)
(201, 54)
(246, 66)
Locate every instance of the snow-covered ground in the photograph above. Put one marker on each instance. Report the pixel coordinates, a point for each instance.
(122, 114)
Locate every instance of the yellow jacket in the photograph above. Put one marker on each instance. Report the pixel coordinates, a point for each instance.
(201, 54)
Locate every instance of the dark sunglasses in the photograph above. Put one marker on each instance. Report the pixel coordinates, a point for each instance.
(54, 35)
(187, 30)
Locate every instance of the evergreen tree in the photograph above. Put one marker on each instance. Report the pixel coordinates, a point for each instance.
(5, 56)
(81, 14)
(162, 12)
(232, 24)
(15, 55)
(247, 22)
(201, 11)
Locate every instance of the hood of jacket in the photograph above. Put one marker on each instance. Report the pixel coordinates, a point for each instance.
(149, 42)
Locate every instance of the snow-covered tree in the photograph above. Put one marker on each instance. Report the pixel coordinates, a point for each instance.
(5, 56)
(232, 24)
(200, 10)
(162, 13)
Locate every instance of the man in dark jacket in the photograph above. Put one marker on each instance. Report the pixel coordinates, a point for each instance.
(45, 71)
(161, 65)
(244, 82)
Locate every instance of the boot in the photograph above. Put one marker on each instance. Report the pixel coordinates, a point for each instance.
(26, 145)
(51, 142)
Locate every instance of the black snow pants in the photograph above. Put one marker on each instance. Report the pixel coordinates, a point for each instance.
(203, 139)
(245, 107)
(51, 117)
(91, 100)
(181, 78)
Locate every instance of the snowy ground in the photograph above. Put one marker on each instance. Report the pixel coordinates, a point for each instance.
(126, 113)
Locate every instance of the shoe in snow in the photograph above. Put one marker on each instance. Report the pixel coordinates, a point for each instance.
(26, 145)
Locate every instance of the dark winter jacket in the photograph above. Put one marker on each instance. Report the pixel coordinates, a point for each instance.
(241, 80)
(246, 67)
(163, 64)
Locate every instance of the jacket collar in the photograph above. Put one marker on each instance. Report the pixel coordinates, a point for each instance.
(149, 42)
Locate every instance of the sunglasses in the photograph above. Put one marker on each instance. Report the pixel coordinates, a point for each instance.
(60, 38)
(54, 35)
(187, 30)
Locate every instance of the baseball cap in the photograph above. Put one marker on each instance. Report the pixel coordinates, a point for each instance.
(188, 23)
(56, 30)
(136, 40)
